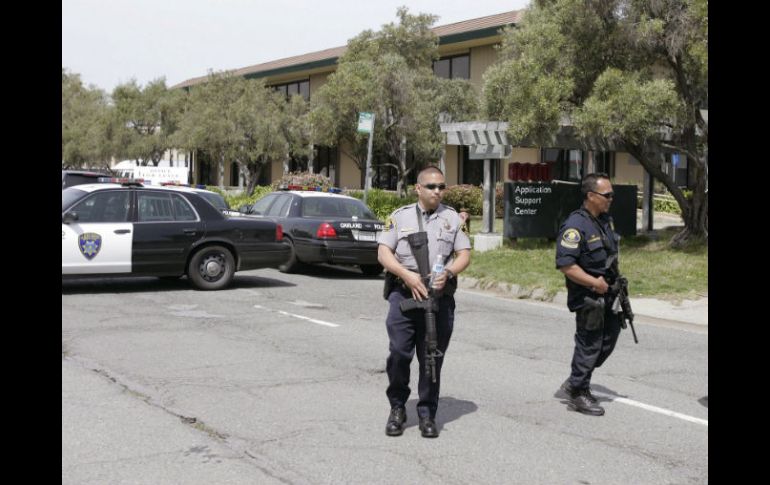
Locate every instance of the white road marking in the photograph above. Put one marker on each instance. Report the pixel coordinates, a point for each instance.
(654, 409)
(301, 317)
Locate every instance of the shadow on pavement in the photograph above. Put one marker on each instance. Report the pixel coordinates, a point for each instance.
(153, 284)
(449, 409)
(704, 401)
(336, 272)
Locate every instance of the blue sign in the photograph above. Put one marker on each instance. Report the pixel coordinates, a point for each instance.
(674, 159)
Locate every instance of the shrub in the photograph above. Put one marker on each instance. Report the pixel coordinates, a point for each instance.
(304, 179)
(237, 200)
(383, 202)
(464, 197)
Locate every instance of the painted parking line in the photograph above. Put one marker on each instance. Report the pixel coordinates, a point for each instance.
(654, 409)
(301, 317)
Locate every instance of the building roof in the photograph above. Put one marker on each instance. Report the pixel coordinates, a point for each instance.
(447, 34)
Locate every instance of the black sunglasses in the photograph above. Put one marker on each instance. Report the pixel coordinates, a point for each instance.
(608, 195)
(435, 186)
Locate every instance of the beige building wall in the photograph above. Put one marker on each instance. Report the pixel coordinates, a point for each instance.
(276, 170)
(628, 170)
(481, 58)
(317, 80)
(349, 173)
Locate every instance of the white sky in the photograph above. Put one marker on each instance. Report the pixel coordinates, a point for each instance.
(108, 42)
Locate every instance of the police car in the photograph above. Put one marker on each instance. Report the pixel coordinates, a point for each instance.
(127, 229)
(322, 226)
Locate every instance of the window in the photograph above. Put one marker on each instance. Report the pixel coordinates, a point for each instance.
(677, 168)
(604, 162)
(565, 164)
(279, 208)
(158, 207)
(324, 160)
(260, 206)
(298, 87)
(335, 207)
(105, 206)
(453, 67)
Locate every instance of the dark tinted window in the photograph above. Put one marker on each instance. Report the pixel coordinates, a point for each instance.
(215, 199)
(260, 206)
(104, 206)
(279, 208)
(68, 196)
(335, 207)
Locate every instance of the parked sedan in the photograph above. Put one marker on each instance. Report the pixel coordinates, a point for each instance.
(132, 230)
(323, 227)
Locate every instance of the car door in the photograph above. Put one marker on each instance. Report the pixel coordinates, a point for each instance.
(96, 234)
(166, 228)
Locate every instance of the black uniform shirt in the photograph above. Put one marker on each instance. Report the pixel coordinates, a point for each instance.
(587, 242)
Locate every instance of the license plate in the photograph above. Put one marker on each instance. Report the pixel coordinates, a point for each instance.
(367, 236)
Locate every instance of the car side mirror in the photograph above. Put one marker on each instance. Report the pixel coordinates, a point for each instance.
(69, 217)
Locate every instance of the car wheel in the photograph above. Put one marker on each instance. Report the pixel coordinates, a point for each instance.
(371, 269)
(211, 268)
(292, 264)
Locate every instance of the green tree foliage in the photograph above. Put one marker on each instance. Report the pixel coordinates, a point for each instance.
(389, 72)
(84, 124)
(631, 72)
(144, 118)
(240, 120)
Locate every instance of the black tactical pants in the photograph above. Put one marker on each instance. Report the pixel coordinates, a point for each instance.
(407, 332)
(592, 347)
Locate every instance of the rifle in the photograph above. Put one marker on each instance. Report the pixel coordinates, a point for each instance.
(418, 241)
(621, 304)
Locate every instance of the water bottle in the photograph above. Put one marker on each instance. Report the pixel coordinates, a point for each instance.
(438, 268)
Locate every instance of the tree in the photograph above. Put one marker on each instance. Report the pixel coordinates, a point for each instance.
(241, 120)
(389, 72)
(633, 73)
(84, 123)
(144, 118)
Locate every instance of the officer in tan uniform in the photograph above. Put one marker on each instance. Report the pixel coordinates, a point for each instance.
(406, 330)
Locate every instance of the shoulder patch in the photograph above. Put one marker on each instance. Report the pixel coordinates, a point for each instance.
(570, 239)
(389, 225)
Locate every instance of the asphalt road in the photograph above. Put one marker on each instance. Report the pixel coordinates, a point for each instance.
(280, 379)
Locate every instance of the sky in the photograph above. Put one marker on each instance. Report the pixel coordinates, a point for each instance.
(110, 42)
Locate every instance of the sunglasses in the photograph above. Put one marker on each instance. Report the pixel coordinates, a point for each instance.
(435, 186)
(608, 195)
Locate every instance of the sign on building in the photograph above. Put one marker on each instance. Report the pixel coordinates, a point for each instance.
(365, 121)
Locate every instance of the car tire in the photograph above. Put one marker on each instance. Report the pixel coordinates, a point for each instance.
(293, 263)
(211, 268)
(371, 269)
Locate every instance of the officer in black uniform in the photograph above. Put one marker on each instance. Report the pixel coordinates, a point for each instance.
(585, 241)
(406, 330)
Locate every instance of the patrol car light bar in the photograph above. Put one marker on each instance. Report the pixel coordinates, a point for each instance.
(309, 188)
(122, 180)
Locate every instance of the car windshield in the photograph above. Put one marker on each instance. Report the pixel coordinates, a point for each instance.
(69, 196)
(335, 207)
(215, 199)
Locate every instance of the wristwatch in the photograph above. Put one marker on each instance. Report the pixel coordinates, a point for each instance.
(449, 274)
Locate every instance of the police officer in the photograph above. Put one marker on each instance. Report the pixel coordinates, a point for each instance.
(585, 241)
(407, 330)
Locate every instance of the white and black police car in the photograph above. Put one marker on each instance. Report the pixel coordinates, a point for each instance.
(128, 229)
(322, 226)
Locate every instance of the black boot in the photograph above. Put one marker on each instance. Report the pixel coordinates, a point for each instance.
(428, 428)
(396, 420)
(567, 388)
(581, 401)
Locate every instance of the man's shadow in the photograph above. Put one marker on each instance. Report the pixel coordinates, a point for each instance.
(449, 409)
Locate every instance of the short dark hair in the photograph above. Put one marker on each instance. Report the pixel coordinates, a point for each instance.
(589, 182)
(428, 169)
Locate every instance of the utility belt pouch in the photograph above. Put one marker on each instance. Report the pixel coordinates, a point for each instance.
(390, 284)
(593, 312)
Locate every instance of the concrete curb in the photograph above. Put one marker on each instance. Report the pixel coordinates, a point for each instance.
(688, 311)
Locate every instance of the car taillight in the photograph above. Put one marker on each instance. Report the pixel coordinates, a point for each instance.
(326, 231)
(278, 232)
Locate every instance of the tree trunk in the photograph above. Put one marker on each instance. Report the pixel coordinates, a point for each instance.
(402, 172)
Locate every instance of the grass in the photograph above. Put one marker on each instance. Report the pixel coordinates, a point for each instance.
(652, 268)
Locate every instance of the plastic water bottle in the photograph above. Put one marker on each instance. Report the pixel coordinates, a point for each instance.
(438, 268)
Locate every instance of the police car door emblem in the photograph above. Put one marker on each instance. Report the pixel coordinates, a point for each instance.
(90, 243)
